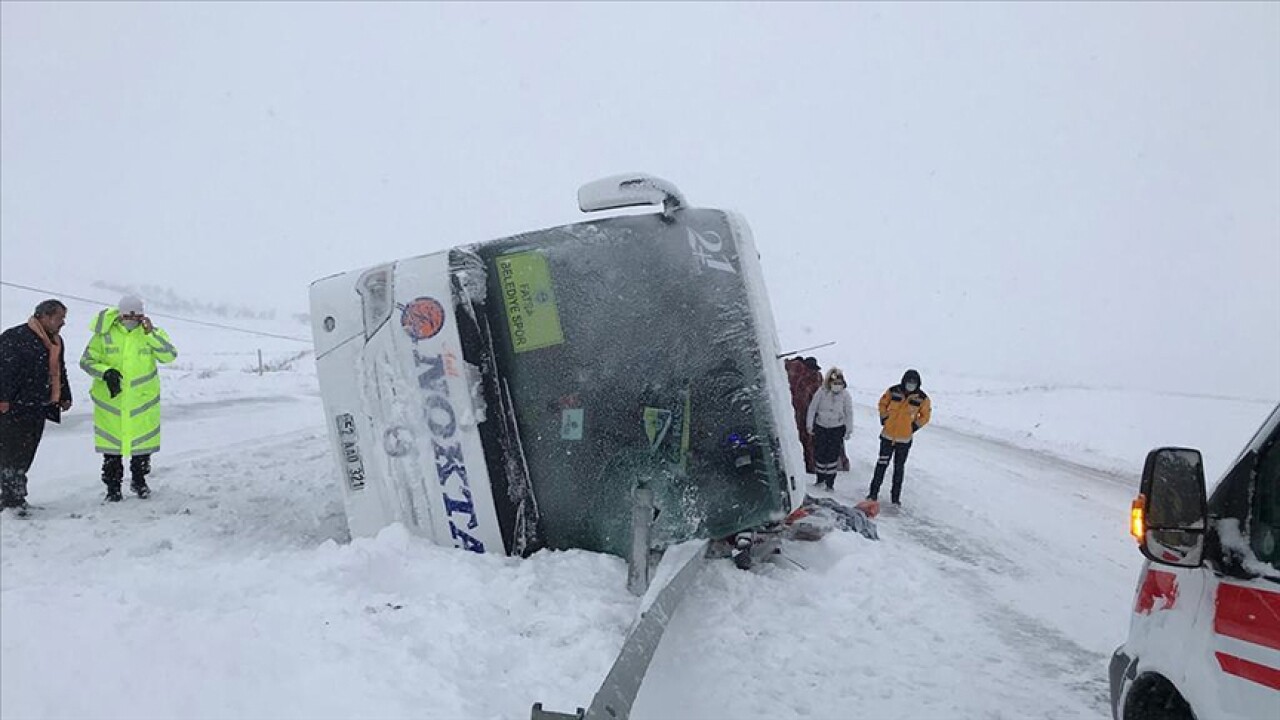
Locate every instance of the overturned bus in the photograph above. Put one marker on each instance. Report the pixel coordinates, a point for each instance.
(526, 392)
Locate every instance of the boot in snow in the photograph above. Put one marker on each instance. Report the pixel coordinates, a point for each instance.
(112, 474)
(139, 466)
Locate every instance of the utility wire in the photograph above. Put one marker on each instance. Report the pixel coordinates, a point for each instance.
(54, 293)
(815, 347)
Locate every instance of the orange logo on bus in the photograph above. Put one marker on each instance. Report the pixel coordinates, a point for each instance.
(422, 318)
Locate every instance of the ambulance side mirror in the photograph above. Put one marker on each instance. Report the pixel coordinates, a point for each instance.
(1171, 515)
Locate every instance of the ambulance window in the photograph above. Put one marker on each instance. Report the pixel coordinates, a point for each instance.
(1264, 530)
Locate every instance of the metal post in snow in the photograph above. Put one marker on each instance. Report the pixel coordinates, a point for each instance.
(260, 368)
(641, 525)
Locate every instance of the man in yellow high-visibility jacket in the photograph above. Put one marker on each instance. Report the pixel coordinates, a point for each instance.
(904, 409)
(121, 357)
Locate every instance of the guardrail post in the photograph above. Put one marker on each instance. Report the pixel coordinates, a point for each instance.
(641, 526)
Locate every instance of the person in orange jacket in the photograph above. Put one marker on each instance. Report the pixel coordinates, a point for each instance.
(904, 409)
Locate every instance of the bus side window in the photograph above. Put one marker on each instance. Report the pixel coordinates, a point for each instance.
(1264, 516)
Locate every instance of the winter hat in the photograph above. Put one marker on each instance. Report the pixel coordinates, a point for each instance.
(911, 375)
(130, 304)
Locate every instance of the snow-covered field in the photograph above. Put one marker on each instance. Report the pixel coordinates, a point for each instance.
(1109, 428)
(234, 592)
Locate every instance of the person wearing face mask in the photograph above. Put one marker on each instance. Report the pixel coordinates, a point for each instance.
(33, 389)
(904, 409)
(121, 358)
(830, 421)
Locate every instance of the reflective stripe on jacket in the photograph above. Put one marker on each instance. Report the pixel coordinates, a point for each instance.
(129, 423)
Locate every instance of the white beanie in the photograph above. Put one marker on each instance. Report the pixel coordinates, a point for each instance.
(130, 304)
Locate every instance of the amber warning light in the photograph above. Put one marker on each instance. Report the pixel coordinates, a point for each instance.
(1138, 519)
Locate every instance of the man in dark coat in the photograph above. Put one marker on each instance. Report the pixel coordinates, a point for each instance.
(805, 379)
(33, 389)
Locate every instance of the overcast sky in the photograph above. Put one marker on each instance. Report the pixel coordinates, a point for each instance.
(1074, 193)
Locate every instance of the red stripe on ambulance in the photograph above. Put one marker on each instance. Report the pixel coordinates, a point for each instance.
(1251, 671)
(1248, 614)
(1157, 585)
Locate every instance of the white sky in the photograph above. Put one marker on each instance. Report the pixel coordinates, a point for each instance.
(1074, 193)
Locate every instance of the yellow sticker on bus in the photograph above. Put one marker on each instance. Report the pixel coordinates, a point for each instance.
(533, 317)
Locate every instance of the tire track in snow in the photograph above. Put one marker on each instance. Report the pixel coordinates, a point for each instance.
(1033, 457)
(1015, 525)
(1039, 645)
(263, 494)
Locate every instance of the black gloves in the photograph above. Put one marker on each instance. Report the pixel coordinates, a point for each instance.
(112, 379)
(915, 427)
(884, 420)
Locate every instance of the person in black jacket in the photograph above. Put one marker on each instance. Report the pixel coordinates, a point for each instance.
(33, 388)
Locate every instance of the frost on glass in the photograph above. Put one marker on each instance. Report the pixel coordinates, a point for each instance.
(1236, 546)
(1177, 492)
(626, 353)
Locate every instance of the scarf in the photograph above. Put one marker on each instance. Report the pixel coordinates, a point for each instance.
(54, 346)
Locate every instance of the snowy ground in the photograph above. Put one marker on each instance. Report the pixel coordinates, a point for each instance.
(1109, 428)
(234, 592)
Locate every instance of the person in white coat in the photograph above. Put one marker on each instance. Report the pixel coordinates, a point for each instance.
(830, 421)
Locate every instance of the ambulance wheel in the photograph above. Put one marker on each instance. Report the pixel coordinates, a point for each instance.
(1155, 698)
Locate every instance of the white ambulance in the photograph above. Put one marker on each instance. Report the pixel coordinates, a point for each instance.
(1204, 639)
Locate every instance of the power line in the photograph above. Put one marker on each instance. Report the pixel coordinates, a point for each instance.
(54, 293)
